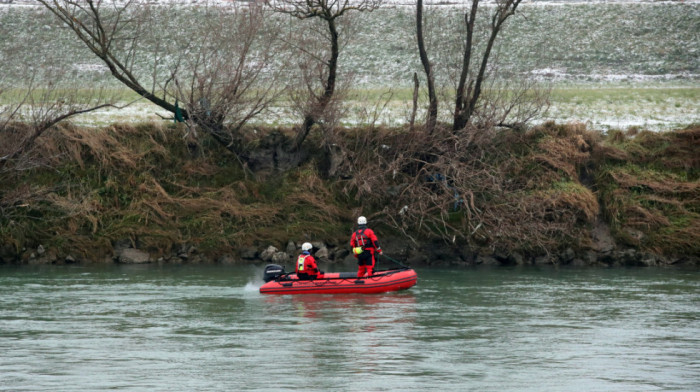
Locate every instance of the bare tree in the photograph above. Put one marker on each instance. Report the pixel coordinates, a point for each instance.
(105, 28)
(34, 110)
(232, 76)
(329, 12)
(511, 103)
(470, 85)
(507, 104)
(221, 72)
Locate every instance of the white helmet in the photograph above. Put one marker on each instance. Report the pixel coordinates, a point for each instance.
(362, 220)
(306, 246)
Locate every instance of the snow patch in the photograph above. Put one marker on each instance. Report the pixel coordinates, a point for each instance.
(101, 68)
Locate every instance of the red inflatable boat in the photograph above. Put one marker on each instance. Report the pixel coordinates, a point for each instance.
(277, 282)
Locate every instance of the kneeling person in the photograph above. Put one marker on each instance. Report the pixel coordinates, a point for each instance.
(306, 268)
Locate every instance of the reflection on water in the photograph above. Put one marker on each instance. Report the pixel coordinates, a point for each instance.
(184, 328)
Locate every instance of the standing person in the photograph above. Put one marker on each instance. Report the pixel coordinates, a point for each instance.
(306, 268)
(364, 245)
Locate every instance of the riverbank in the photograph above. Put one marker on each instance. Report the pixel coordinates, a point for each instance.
(554, 194)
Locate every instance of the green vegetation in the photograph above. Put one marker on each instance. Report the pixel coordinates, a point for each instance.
(623, 95)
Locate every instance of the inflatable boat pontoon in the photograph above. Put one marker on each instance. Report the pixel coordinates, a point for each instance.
(279, 282)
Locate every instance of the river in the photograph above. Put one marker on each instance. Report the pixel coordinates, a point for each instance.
(206, 328)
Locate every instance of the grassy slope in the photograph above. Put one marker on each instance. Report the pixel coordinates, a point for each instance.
(141, 183)
(650, 188)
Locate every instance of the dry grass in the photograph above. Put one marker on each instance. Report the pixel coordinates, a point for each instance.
(652, 199)
(103, 185)
(481, 187)
(564, 154)
(13, 134)
(535, 192)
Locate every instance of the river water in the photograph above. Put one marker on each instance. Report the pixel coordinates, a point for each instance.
(206, 328)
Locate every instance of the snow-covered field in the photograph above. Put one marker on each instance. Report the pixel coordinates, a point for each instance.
(612, 63)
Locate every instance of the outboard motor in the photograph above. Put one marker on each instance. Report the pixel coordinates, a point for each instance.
(272, 272)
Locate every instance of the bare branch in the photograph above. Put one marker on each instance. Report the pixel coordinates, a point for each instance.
(42, 107)
(101, 30)
(220, 76)
(321, 69)
(323, 9)
(466, 101)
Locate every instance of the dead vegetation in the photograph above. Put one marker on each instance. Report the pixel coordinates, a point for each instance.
(479, 187)
(535, 191)
(98, 186)
(652, 198)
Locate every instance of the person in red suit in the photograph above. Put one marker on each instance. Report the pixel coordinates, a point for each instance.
(365, 246)
(306, 268)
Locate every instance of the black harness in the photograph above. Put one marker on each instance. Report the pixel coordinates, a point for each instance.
(360, 236)
(366, 243)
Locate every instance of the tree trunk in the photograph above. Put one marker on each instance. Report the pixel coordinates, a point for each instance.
(416, 86)
(431, 121)
(461, 116)
(309, 122)
(332, 63)
(319, 107)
